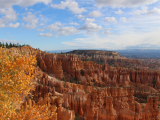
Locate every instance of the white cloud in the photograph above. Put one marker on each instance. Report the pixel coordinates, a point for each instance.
(67, 30)
(41, 24)
(107, 32)
(11, 36)
(123, 3)
(71, 5)
(54, 26)
(12, 41)
(10, 15)
(25, 3)
(123, 19)
(116, 41)
(110, 19)
(8, 3)
(22, 3)
(31, 9)
(29, 26)
(119, 12)
(7, 15)
(31, 18)
(153, 11)
(138, 12)
(2, 23)
(95, 14)
(46, 34)
(90, 26)
(91, 42)
(13, 25)
(145, 10)
(80, 16)
(40, 30)
(61, 30)
(40, 15)
(142, 29)
(73, 23)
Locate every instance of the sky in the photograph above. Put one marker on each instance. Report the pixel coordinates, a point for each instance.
(80, 24)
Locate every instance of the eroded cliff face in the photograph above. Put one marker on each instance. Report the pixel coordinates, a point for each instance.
(102, 92)
(114, 59)
(45, 94)
(93, 91)
(92, 103)
(67, 66)
(88, 72)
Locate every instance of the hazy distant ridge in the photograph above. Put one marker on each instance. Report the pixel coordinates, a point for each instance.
(144, 46)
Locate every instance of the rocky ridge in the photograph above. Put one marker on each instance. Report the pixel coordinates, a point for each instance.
(113, 58)
(97, 54)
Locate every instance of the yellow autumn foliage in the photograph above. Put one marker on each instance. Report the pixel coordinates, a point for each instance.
(36, 112)
(16, 81)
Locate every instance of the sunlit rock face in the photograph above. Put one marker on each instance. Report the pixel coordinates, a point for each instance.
(92, 103)
(93, 91)
(61, 65)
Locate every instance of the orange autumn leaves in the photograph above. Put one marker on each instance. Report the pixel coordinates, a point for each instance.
(37, 113)
(16, 81)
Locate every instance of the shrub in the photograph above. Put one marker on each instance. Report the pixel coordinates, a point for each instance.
(16, 75)
(76, 117)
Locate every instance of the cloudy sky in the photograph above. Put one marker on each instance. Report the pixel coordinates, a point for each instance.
(80, 24)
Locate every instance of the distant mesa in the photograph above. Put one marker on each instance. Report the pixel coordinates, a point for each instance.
(94, 52)
(97, 54)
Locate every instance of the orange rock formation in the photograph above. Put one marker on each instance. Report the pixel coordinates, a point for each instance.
(102, 92)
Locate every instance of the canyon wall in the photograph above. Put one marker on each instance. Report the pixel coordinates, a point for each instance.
(91, 90)
(93, 103)
(88, 72)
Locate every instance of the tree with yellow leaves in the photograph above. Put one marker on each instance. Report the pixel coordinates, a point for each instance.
(37, 112)
(16, 81)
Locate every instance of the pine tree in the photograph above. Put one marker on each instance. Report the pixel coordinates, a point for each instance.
(6, 45)
(0, 44)
(10, 45)
(3, 45)
(14, 45)
(17, 45)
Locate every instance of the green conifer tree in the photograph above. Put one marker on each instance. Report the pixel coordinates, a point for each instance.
(14, 45)
(17, 45)
(7, 45)
(10, 45)
(3, 45)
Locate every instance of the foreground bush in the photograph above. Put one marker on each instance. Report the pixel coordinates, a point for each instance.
(16, 81)
(36, 113)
